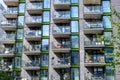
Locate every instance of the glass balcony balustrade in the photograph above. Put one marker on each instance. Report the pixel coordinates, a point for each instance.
(93, 9)
(95, 77)
(61, 1)
(33, 19)
(6, 66)
(10, 0)
(33, 48)
(32, 63)
(7, 50)
(8, 23)
(61, 29)
(94, 43)
(93, 25)
(33, 6)
(11, 11)
(61, 14)
(33, 33)
(7, 36)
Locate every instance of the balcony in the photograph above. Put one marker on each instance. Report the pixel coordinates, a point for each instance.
(97, 77)
(11, 13)
(33, 35)
(61, 47)
(62, 4)
(94, 44)
(92, 1)
(31, 65)
(33, 20)
(61, 16)
(34, 8)
(61, 31)
(61, 63)
(92, 12)
(11, 2)
(33, 49)
(8, 25)
(95, 27)
(95, 60)
(7, 38)
(7, 52)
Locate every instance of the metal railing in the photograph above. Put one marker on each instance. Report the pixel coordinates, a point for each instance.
(33, 6)
(61, 1)
(61, 14)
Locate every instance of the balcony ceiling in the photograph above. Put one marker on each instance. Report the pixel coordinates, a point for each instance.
(62, 6)
(34, 11)
(93, 15)
(10, 15)
(11, 3)
(92, 1)
(58, 35)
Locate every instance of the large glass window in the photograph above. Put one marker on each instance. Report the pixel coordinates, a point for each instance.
(45, 44)
(20, 20)
(44, 60)
(74, 26)
(46, 16)
(43, 74)
(18, 47)
(108, 50)
(17, 62)
(46, 3)
(106, 22)
(19, 33)
(75, 43)
(45, 30)
(109, 73)
(74, 74)
(74, 11)
(74, 1)
(75, 58)
(106, 6)
(108, 38)
(21, 7)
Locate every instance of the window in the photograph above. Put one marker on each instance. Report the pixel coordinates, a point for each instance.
(18, 47)
(45, 30)
(17, 62)
(43, 74)
(75, 43)
(19, 33)
(74, 74)
(106, 22)
(108, 38)
(44, 60)
(74, 1)
(109, 73)
(108, 58)
(108, 50)
(106, 6)
(75, 57)
(21, 7)
(20, 20)
(46, 16)
(74, 11)
(46, 3)
(45, 45)
(74, 26)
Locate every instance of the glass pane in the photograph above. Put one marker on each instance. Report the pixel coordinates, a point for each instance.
(19, 33)
(75, 43)
(45, 30)
(45, 45)
(108, 50)
(75, 58)
(21, 7)
(109, 73)
(43, 74)
(46, 3)
(106, 22)
(106, 6)
(74, 26)
(20, 20)
(74, 1)
(46, 16)
(74, 74)
(74, 11)
(108, 38)
(17, 62)
(44, 60)
(19, 47)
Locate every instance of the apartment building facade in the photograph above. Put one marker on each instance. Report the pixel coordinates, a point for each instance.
(57, 39)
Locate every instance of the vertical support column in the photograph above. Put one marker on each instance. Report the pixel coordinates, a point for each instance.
(81, 34)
